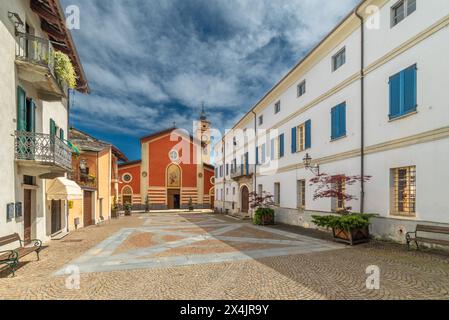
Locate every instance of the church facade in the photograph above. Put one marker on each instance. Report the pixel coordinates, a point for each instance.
(173, 173)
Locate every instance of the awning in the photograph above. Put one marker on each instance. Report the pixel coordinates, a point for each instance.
(64, 189)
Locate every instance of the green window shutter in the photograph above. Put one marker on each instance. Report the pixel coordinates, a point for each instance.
(21, 109)
(61, 134)
(52, 128)
(342, 120)
(334, 123)
(33, 116)
(281, 146)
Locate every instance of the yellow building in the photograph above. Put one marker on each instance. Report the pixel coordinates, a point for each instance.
(95, 171)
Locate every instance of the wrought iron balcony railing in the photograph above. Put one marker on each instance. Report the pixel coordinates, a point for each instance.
(43, 149)
(83, 179)
(242, 171)
(35, 50)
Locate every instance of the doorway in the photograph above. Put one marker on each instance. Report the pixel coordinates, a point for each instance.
(245, 199)
(87, 208)
(56, 225)
(174, 199)
(27, 216)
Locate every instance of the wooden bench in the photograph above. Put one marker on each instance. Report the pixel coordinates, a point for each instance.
(11, 257)
(416, 236)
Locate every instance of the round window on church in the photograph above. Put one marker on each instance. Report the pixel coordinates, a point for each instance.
(174, 155)
(127, 177)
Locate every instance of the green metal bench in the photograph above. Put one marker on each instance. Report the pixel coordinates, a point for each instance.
(11, 257)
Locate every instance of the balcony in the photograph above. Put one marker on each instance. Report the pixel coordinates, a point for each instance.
(83, 179)
(42, 153)
(36, 64)
(242, 171)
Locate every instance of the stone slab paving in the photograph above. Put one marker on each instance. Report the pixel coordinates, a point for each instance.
(192, 256)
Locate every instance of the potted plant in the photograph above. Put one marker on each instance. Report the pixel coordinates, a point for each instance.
(350, 228)
(64, 69)
(262, 203)
(114, 209)
(191, 204)
(347, 227)
(128, 208)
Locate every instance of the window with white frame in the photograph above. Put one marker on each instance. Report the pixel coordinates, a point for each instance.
(301, 88)
(339, 59)
(401, 10)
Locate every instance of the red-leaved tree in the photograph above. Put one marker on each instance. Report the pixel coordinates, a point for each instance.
(334, 187)
(264, 200)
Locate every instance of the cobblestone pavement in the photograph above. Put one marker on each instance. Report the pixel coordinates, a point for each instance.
(191, 256)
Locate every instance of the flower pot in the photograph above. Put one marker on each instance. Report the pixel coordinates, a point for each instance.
(352, 237)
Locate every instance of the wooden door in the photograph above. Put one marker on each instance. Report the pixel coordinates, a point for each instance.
(27, 216)
(55, 216)
(245, 200)
(174, 199)
(87, 208)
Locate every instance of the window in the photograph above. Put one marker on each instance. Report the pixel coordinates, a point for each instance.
(227, 191)
(127, 177)
(302, 137)
(403, 92)
(277, 194)
(233, 191)
(264, 153)
(261, 120)
(338, 115)
(278, 147)
(401, 10)
(277, 107)
(260, 189)
(404, 191)
(227, 169)
(301, 194)
(339, 59)
(281, 144)
(301, 88)
(339, 186)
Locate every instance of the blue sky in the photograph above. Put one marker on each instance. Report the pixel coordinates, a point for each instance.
(150, 63)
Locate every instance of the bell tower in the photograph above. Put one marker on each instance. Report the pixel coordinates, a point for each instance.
(203, 133)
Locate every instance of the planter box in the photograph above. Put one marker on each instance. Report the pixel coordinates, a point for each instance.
(352, 237)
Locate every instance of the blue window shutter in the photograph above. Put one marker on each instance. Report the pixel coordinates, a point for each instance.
(395, 95)
(342, 126)
(409, 76)
(308, 138)
(294, 142)
(334, 123)
(257, 155)
(247, 162)
(272, 149)
(281, 145)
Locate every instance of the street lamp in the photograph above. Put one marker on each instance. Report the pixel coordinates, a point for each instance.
(308, 165)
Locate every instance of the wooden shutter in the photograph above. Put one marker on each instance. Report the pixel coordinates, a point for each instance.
(294, 140)
(334, 122)
(21, 109)
(281, 146)
(308, 126)
(52, 128)
(409, 76)
(395, 95)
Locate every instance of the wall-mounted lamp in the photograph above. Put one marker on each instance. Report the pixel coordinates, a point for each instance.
(308, 165)
(15, 18)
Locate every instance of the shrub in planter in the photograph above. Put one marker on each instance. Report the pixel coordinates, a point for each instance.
(349, 228)
(264, 217)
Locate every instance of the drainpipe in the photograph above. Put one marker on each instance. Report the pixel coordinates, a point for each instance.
(255, 151)
(224, 173)
(362, 108)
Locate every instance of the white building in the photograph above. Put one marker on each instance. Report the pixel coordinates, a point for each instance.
(34, 111)
(369, 101)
